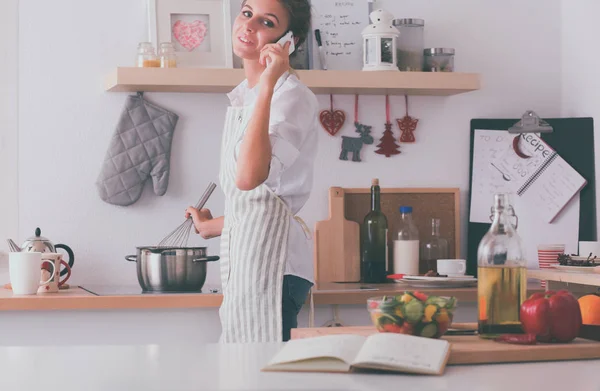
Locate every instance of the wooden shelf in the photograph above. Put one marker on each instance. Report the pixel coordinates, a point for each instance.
(592, 279)
(214, 80)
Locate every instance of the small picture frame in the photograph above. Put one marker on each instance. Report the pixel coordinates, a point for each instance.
(200, 31)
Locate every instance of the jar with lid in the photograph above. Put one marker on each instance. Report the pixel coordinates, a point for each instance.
(168, 58)
(406, 244)
(433, 248)
(439, 60)
(146, 56)
(410, 44)
(501, 274)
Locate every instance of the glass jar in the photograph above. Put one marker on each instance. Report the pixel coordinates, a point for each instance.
(168, 58)
(146, 56)
(433, 248)
(501, 274)
(410, 44)
(439, 60)
(406, 244)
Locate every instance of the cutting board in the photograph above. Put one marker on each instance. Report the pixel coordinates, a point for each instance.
(474, 350)
(337, 244)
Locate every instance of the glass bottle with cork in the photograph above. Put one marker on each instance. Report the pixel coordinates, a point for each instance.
(501, 274)
(406, 244)
(433, 248)
(374, 244)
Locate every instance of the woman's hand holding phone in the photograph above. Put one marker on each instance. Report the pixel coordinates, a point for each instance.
(275, 57)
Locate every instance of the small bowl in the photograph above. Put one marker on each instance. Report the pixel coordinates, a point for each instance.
(412, 313)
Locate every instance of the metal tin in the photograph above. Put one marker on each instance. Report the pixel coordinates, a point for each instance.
(411, 22)
(438, 51)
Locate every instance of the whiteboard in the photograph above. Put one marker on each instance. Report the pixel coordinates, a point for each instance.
(341, 23)
(488, 145)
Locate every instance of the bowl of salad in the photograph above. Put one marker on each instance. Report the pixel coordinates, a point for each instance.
(412, 313)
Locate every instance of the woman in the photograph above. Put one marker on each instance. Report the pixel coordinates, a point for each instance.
(267, 155)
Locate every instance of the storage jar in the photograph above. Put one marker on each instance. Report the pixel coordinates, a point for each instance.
(410, 44)
(439, 60)
(146, 56)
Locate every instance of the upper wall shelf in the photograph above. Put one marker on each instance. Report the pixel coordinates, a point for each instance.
(213, 80)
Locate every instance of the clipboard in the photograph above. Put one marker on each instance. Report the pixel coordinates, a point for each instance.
(573, 140)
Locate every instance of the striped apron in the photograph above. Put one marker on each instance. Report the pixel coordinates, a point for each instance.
(254, 245)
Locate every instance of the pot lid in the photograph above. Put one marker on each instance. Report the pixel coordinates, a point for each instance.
(38, 237)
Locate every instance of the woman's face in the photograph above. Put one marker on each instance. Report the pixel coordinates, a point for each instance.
(260, 22)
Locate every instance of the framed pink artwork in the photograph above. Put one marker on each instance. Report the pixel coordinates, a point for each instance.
(200, 31)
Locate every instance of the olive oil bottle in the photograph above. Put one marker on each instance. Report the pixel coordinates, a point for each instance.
(374, 240)
(501, 274)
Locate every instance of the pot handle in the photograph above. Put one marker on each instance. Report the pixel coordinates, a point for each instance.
(207, 259)
(131, 258)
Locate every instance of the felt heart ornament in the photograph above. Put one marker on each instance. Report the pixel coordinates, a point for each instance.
(332, 120)
(189, 35)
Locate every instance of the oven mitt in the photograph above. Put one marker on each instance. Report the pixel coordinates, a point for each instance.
(140, 147)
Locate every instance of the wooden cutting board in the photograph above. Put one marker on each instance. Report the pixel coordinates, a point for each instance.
(474, 350)
(337, 244)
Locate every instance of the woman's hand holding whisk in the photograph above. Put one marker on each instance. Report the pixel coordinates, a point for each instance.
(204, 223)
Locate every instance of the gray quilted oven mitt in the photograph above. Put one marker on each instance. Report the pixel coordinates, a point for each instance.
(140, 147)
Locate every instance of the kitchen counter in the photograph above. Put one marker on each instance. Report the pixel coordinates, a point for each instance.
(92, 297)
(195, 366)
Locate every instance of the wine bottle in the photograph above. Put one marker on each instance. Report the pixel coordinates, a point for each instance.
(374, 244)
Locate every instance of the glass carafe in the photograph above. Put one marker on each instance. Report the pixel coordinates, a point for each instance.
(433, 248)
(501, 274)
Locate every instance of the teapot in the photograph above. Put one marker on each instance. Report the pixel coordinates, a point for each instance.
(41, 244)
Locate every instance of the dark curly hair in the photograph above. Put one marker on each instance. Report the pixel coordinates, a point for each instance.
(299, 14)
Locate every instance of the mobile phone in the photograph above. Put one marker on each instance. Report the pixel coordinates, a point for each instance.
(288, 37)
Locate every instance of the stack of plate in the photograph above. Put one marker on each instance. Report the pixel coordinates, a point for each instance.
(438, 282)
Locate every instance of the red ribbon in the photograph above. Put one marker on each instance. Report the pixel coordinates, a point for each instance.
(387, 109)
(356, 108)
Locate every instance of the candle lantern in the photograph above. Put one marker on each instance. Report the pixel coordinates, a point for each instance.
(379, 42)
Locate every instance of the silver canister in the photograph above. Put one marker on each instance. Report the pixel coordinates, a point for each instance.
(439, 60)
(410, 44)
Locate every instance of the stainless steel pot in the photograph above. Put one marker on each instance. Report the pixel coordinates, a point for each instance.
(162, 269)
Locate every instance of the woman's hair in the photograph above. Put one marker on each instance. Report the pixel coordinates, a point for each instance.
(299, 14)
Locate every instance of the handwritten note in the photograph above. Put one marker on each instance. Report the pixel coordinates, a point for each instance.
(491, 154)
(538, 175)
(341, 23)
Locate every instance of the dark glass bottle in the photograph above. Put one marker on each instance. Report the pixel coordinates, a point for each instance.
(374, 235)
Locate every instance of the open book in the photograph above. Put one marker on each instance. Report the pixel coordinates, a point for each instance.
(348, 353)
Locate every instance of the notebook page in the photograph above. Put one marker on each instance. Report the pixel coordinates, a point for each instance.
(539, 176)
(487, 180)
(343, 347)
(403, 352)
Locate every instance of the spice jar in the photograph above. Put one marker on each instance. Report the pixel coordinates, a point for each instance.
(168, 58)
(410, 44)
(439, 60)
(146, 56)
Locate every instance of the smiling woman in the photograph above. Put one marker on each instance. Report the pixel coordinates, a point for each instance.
(267, 157)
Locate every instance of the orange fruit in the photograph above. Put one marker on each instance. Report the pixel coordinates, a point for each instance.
(590, 309)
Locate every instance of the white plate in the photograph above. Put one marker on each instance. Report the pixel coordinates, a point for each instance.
(577, 269)
(427, 278)
(437, 282)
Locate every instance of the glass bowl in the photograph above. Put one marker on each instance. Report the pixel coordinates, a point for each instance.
(412, 313)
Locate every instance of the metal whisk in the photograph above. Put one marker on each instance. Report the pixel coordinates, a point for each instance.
(180, 235)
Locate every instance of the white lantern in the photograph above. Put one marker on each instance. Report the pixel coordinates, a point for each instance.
(379, 43)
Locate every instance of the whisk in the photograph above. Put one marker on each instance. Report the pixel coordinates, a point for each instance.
(180, 235)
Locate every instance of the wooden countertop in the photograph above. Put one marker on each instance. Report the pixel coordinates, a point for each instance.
(77, 298)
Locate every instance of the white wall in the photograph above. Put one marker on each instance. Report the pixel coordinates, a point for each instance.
(67, 47)
(8, 126)
(581, 84)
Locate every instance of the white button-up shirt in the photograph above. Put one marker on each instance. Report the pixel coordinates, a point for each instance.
(293, 128)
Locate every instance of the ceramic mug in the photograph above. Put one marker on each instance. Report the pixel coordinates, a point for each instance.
(55, 283)
(452, 267)
(24, 272)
